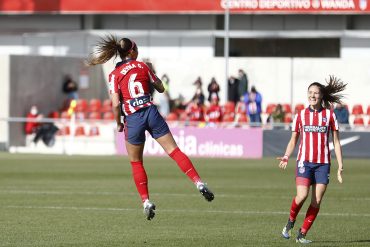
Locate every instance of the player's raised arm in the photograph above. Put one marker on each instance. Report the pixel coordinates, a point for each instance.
(158, 85)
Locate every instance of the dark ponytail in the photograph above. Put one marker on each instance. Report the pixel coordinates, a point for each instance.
(331, 91)
(109, 47)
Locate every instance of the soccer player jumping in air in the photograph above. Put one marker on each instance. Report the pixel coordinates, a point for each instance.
(129, 86)
(313, 124)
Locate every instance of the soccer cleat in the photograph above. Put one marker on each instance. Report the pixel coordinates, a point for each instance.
(301, 238)
(287, 230)
(149, 209)
(207, 193)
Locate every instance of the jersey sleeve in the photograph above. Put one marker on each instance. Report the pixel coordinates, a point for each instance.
(333, 122)
(112, 84)
(297, 123)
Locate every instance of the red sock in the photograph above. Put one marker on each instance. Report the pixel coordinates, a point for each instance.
(294, 210)
(310, 218)
(185, 164)
(140, 178)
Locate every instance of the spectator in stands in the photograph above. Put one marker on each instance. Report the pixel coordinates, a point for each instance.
(31, 123)
(277, 116)
(253, 100)
(179, 103)
(243, 83)
(233, 89)
(140, 114)
(46, 132)
(70, 87)
(195, 110)
(342, 114)
(213, 89)
(198, 95)
(214, 111)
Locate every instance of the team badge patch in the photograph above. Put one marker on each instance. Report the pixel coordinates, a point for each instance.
(324, 119)
(301, 170)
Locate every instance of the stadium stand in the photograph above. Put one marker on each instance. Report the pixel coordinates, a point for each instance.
(107, 106)
(359, 122)
(65, 115)
(287, 108)
(228, 118)
(94, 105)
(80, 131)
(94, 115)
(298, 107)
(242, 118)
(172, 117)
(108, 115)
(357, 109)
(81, 105)
(270, 108)
(229, 107)
(288, 118)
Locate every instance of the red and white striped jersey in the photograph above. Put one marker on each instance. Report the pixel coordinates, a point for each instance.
(131, 80)
(214, 113)
(314, 128)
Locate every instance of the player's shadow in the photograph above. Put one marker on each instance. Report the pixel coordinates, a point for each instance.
(338, 241)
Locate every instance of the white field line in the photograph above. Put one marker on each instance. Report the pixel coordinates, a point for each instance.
(107, 193)
(180, 211)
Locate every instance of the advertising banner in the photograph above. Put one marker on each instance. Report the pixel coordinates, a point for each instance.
(186, 6)
(354, 144)
(207, 142)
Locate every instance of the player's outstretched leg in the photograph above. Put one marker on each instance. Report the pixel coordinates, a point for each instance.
(301, 238)
(205, 191)
(188, 168)
(287, 230)
(149, 209)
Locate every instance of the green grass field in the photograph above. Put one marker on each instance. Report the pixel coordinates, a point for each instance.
(92, 201)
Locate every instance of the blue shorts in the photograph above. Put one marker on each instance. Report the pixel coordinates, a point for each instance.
(145, 119)
(308, 173)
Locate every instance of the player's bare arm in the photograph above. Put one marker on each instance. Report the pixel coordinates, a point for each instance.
(289, 150)
(158, 85)
(338, 154)
(116, 111)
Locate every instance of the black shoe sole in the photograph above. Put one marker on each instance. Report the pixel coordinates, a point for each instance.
(208, 195)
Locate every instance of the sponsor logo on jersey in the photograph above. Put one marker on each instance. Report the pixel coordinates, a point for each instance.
(139, 101)
(314, 128)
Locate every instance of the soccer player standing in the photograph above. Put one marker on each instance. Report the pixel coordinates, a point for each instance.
(313, 124)
(129, 86)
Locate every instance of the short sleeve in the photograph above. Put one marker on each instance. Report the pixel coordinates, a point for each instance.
(333, 122)
(297, 123)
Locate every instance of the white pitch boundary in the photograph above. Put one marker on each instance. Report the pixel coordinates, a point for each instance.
(181, 211)
(106, 193)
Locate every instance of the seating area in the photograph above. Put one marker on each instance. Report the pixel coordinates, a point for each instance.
(232, 113)
(360, 118)
(87, 111)
(90, 114)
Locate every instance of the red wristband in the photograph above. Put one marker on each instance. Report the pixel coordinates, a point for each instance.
(285, 158)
